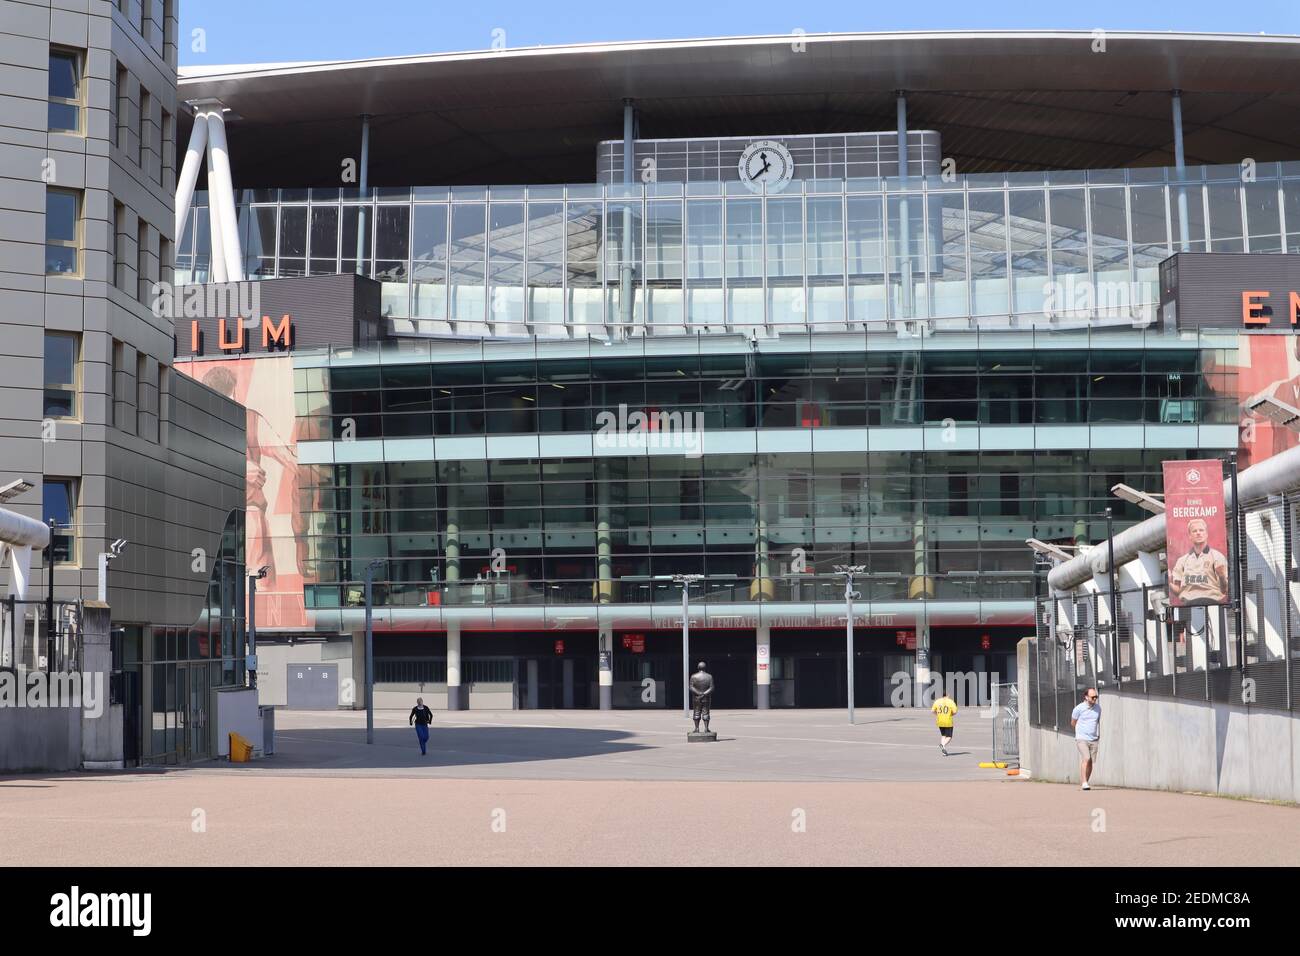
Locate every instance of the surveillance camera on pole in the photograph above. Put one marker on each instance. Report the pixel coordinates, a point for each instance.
(113, 553)
(250, 661)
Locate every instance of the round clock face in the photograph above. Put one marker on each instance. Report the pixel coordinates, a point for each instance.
(766, 163)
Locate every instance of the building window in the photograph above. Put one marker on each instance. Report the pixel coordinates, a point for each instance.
(117, 384)
(165, 162)
(65, 91)
(119, 240)
(60, 506)
(60, 375)
(62, 231)
(142, 260)
(122, 105)
(142, 141)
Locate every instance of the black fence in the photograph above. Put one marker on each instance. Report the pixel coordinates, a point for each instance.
(1247, 654)
(29, 643)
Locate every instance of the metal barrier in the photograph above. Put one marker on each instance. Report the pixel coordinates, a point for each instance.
(1006, 722)
(1248, 656)
(28, 644)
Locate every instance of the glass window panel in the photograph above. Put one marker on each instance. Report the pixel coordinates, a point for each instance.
(825, 236)
(1225, 218)
(63, 75)
(1027, 222)
(1029, 281)
(704, 239)
(468, 252)
(1262, 217)
(293, 232)
(325, 237)
(784, 237)
(1190, 198)
(1069, 219)
(864, 240)
(948, 280)
(744, 239)
(1291, 203)
(1109, 220)
(60, 215)
(429, 263)
(392, 232)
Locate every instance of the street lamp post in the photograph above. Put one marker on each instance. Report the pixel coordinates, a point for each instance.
(686, 580)
(849, 570)
(370, 650)
(252, 622)
(1114, 610)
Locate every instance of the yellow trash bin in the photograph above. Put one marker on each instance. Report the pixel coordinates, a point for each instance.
(241, 749)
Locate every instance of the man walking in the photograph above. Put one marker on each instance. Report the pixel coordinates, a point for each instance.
(1086, 721)
(422, 717)
(944, 710)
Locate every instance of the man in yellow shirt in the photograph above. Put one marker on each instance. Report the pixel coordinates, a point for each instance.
(944, 710)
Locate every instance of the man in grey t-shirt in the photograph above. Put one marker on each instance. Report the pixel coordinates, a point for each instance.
(1086, 721)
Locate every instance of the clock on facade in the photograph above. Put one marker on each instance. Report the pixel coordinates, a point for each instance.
(766, 163)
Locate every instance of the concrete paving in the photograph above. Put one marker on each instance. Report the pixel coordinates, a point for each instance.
(566, 788)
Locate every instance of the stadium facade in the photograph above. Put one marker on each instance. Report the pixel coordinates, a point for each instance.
(890, 302)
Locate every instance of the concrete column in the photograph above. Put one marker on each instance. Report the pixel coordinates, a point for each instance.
(763, 692)
(605, 665)
(456, 696)
(922, 664)
(1184, 241)
(568, 683)
(101, 723)
(190, 171)
(531, 701)
(224, 190)
(451, 549)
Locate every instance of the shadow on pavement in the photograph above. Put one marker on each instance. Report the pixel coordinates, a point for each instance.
(396, 748)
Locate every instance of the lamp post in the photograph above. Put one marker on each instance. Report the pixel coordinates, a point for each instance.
(848, 571)
(252, 622)
(1114, 611)
(370, 650)
(686, 580)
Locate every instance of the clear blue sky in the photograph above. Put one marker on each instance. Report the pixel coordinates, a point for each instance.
(252, 31)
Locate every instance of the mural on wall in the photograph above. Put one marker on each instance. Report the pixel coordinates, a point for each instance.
(276, 524)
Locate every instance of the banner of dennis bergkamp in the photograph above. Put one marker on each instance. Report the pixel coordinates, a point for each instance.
(1196, 533)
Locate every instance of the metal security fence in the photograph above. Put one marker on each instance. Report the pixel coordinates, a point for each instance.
(28, 643)
(1006, 722)
(1246, 654)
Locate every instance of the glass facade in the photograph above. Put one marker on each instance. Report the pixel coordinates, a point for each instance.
(929, 463)
(666, 258)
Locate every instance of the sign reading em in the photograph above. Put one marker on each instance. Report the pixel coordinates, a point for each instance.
(1256, 312)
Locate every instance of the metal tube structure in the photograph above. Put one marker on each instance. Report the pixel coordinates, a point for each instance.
(1114, 608)
(904, 215)
(1184, 241)
(189, 175)
(216, 244)
(848, 601)
(1238, 559)
(221, 195)
(686, 649)
(49, 602)
(625, 293)
(363, 175)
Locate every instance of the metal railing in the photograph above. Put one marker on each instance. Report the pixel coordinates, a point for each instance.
(1246, 654)
(28, 644)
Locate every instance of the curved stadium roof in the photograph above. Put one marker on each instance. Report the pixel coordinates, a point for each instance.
(1001, 100)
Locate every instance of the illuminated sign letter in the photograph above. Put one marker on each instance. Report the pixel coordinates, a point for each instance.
(275, 333)
(228, 346)
(1252, 312)
(1295, 308)
(196, 337)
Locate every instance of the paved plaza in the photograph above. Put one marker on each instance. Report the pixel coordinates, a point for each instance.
(552, 787)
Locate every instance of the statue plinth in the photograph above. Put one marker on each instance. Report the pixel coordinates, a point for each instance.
(702, 736)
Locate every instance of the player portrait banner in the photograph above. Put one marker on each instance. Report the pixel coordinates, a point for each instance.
(1196, 533)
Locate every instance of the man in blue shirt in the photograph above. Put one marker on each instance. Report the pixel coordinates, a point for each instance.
(1086, 721)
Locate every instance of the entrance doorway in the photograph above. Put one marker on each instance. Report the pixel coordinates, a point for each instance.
(192, 687)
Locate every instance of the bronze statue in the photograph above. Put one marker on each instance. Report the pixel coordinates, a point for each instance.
(702, 690)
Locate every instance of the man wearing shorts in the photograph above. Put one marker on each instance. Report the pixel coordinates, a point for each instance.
(944, 710)
(1086, 721)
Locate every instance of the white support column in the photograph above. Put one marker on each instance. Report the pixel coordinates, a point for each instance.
(224, 191)
(605, 666)
(190, 171)
(20, 570)
(763, 643)
(455, 699)
(217, 255)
